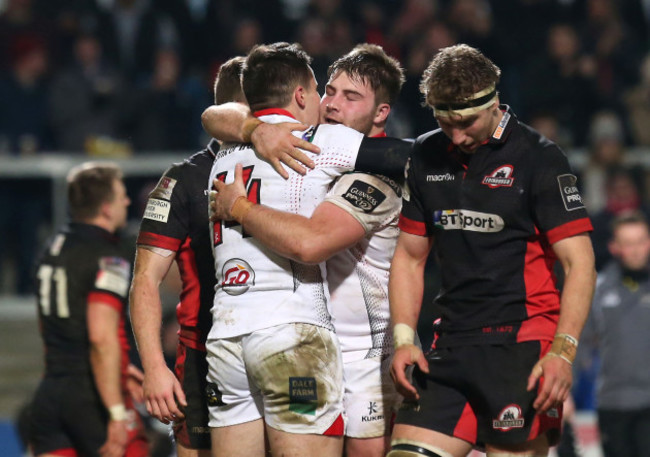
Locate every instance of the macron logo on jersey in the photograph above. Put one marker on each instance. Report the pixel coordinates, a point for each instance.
(440, 178)
(463, 219)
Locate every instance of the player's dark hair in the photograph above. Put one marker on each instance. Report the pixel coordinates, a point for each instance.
(368, 63)
(227, 84)
(456, 73)
(89, 186)
(272, 72)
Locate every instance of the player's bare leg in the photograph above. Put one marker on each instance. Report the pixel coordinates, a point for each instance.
(367, 447)
(182, 451)
(241, 440)
(298, 445)
(436, 442)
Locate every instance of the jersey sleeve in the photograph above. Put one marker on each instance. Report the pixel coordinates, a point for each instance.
(165, 223)
(112, 281)
(412, 218)
(558, 209)
(372, 200)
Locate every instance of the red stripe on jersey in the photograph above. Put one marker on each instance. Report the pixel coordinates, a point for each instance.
(269, 111)
(106, 299)
(466, 426)
(569, 229)
(542, 297)
(191, 337)
(410, 226)
(159, 241)
(187, 311)
(67, 452)
(336, 429)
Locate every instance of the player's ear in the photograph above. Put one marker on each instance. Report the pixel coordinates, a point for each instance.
(381, 113)
(299, 95)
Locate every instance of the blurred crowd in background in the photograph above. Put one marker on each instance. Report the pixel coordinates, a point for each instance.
(76, 74)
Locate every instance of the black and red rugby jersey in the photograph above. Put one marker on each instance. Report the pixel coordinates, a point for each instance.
(494, 215)
(176, 219)
(81, 264)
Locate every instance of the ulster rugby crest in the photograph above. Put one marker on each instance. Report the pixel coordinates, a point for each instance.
(502, 176)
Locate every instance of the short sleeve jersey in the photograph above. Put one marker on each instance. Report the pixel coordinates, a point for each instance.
(176, 219)
(494, 215)
(257, 288)
(81, 265)
(358, 276)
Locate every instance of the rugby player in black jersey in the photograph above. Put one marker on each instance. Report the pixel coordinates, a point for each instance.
(82, 406)
(498, 204)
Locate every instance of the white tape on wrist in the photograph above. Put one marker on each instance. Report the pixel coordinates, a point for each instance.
(117, 412)
(403, 334)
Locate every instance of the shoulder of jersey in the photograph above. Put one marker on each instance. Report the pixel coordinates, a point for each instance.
(327, 132)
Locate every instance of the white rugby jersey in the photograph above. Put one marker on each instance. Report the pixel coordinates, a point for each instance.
(358, 276)
(257, 288)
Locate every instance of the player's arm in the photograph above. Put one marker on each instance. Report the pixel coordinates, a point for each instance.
(329, 230)
(233, 122)
(103, 321)
(405, 291)
(577, 259)
(162, 389)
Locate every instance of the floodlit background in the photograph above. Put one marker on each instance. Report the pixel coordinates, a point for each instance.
(127, 80)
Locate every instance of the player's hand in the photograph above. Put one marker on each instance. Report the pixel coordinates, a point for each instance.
(405, 356)
(555, 383)
(223, 196)
(164, 395)
(277, 145)
(134, 380)
(116, 440)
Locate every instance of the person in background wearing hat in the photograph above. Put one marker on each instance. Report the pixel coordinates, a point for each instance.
(499, 204)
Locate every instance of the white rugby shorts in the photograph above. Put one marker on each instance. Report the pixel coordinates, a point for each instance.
(290, 374)
(370, 399)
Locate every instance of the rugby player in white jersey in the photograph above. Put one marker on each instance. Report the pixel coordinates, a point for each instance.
(272, 353)
(362, 210)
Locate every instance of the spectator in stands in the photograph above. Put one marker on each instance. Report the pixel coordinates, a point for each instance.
(566, 78)
(86, 97)
(24, 122)
(615, 51)
(163, 112)
(623, 196)
(20, 20)
(637, 101)
(131, 31)
(606, 151)
(617, 326)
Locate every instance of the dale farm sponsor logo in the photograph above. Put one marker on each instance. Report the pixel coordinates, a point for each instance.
(303, 395)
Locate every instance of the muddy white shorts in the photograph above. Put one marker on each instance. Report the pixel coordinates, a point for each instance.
(370, 400)
(290, 374)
